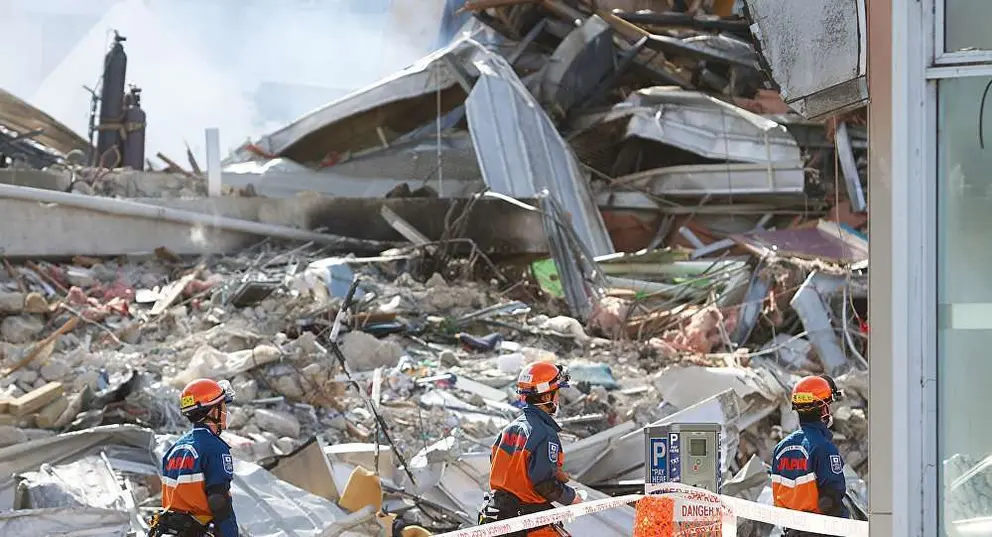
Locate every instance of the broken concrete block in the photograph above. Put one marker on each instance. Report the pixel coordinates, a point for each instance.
(448, 358)
(364, 352)
(245, 389)
(289, 386)
(35, 400)
(46, 418)
(11, 302)
(314, 378)
(277, 422)
(238, 418)
(436, 280)
(74, 408)
(10, 436)
(21, 328)
(35, 303)
(565, 327)
(25, 376)
(54, 370)
(286, 445)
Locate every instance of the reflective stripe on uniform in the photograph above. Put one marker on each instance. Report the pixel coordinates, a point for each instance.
(188, 478)
(793, 483)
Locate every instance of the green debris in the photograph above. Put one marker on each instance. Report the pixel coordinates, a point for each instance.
(546, 274)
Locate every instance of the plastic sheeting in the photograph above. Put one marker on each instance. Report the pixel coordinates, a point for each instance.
(71, 522)
(269, 507)
(88, 482)
(126, 446)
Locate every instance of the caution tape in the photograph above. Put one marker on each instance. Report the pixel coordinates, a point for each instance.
(776, 516)
(552, 516)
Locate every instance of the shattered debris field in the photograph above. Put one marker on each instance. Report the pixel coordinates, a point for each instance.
(623, 193)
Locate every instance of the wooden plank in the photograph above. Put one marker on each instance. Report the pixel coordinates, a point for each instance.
(35, 400)
(46, 418)
(171, 293)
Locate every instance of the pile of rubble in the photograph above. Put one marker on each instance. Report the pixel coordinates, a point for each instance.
(103, 343)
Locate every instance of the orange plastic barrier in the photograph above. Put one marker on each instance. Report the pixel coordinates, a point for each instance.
(663, 516)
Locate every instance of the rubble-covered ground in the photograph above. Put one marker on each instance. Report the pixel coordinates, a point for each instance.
(98, 342)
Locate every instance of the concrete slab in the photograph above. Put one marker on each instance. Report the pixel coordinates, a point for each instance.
(33, 229)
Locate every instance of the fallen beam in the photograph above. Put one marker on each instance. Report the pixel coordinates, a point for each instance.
(45, 230)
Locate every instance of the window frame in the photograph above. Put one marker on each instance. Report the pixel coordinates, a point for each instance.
(941, 55)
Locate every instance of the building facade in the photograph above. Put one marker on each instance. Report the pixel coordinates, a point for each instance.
(930, 74)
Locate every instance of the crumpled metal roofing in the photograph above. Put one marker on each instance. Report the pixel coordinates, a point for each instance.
(521, 153)
(426, 76)
(67, 521)
(706, 126)
(17, 114)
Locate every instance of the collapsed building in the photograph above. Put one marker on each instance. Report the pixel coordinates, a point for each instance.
(622, 191)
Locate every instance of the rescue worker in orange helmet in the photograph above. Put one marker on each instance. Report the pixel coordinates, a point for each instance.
(198, 469)
(527, 458)
(807, 469)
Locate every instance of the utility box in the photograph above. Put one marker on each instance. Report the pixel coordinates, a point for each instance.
(687, 453)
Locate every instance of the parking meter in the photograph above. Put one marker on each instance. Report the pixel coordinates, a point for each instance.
(686, 453)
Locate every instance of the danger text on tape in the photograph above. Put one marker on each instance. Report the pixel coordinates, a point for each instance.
(698, 504)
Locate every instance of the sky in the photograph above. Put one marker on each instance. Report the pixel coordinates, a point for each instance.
(246, 67)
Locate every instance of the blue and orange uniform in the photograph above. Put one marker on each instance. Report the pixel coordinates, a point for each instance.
(198, 469)
(199, 464)
(527, 458)
(807, 466)
(807, 469)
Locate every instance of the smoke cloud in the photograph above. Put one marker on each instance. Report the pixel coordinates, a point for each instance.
(246, 67)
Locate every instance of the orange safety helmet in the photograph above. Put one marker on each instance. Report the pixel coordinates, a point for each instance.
(540, 378)
(201, 395)
(811, 393)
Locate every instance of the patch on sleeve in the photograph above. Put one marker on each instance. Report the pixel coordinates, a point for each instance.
(836, 464)
(553, 450)
(228, 464)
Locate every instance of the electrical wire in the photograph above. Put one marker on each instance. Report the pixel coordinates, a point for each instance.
(981, 115)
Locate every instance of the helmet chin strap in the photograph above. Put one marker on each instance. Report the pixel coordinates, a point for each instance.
(554, 406)
(218, 422)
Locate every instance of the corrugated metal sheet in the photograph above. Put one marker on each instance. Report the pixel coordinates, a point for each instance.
(719, 179)
(520, 152)
(706, 126)
(584, 58)
(18, 115)
(430, 74)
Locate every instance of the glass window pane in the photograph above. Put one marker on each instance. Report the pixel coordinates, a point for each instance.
(965, 298)
(966, 25)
